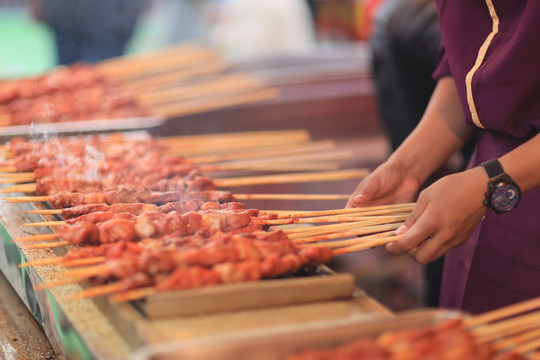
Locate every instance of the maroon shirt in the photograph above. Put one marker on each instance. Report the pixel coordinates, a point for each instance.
(493, 54)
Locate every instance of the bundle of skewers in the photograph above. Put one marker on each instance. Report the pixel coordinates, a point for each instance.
(142, 219)
(172, 82)
(509, 333)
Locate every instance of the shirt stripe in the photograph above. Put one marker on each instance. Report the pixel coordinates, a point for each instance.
(479, 59)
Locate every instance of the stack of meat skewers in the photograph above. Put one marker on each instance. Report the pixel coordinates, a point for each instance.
(509, 333)
(154, 228)
(173, 82)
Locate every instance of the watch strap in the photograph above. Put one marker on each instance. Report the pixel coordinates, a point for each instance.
(493, 169)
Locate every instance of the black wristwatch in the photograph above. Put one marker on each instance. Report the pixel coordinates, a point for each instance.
(503, 193)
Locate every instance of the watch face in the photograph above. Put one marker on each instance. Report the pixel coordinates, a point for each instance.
(505, 197)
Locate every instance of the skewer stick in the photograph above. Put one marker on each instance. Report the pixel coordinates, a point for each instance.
(24, 188)
(46, 223)
(57, 283)
(87, 271)
(360, 231)
(39, 237)
(354, 241)
(296, 134)
(367, 245)
(214, 103)
(282, 214)
(504, 312)
(24, 199)
(45, 212)
(319, 230)
(18, 179)
(8, 169)
(132, 295)
(97, 291)
(320, 219)
(508, 327)
(282, 150)
(513, 341)
(292, 178)
(48, 245)
(525, 347)
(66, 263)
(291, 196)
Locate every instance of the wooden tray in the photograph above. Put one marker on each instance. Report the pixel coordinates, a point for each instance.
(277, 343)
(250, 295)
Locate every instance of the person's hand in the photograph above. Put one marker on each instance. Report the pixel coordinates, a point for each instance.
(388, 184)
(445, 215)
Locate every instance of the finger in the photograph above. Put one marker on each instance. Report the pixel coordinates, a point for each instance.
(414, 232)
(364, 193)
(429, 250)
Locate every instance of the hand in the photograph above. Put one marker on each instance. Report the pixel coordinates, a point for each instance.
(445, 215)
(388, 184)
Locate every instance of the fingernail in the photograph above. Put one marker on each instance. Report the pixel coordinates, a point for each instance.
(358, 198)
(400, 230)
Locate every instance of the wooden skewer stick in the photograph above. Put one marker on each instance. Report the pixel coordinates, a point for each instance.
(282, 214)
(504, 312)
(515, 340)
(8, 169)
(282, 150)
(24, 188)
(321, 229)
(66, 263)
(97, 291)
(17, 175)
(48, 245)
(295, 134)
(320, 219)
(46, 223)
(45, 212)
(292, 178)
(57, 283)
(291, 196)
(361, 231)
(367, 245)
(525, 347)
(132, 295)
(24, 199)
(39, 237)
(17, 180)
(350, 242)
(508, 327)
(87, 272)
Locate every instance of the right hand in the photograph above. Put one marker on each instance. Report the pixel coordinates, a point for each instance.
(388, 184)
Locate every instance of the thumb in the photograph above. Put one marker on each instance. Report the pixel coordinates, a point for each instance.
(364, 193)
(399, 246)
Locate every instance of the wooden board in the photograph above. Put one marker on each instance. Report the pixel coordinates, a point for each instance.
(243, 296)
(275, 344)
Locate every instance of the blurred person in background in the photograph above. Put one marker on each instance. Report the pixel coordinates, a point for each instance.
(405, 42)
(89, 30)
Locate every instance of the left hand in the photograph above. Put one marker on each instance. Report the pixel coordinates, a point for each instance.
(445, 215)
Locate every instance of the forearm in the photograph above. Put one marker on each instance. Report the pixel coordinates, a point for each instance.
(523, 164)
(441, 132)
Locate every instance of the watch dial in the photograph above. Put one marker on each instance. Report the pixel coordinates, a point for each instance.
(505, 197)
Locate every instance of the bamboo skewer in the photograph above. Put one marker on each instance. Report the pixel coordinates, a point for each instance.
(291, 196)
(502, 313)
(292, 178)
(397, 208)
(48, 245)
(363, 230)
(133, 295)
(355, 241)
(367, 245)
(214, 103)
(508, 327)
(95, 291)
(40, 237)
(63, 262)
(515, 340)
